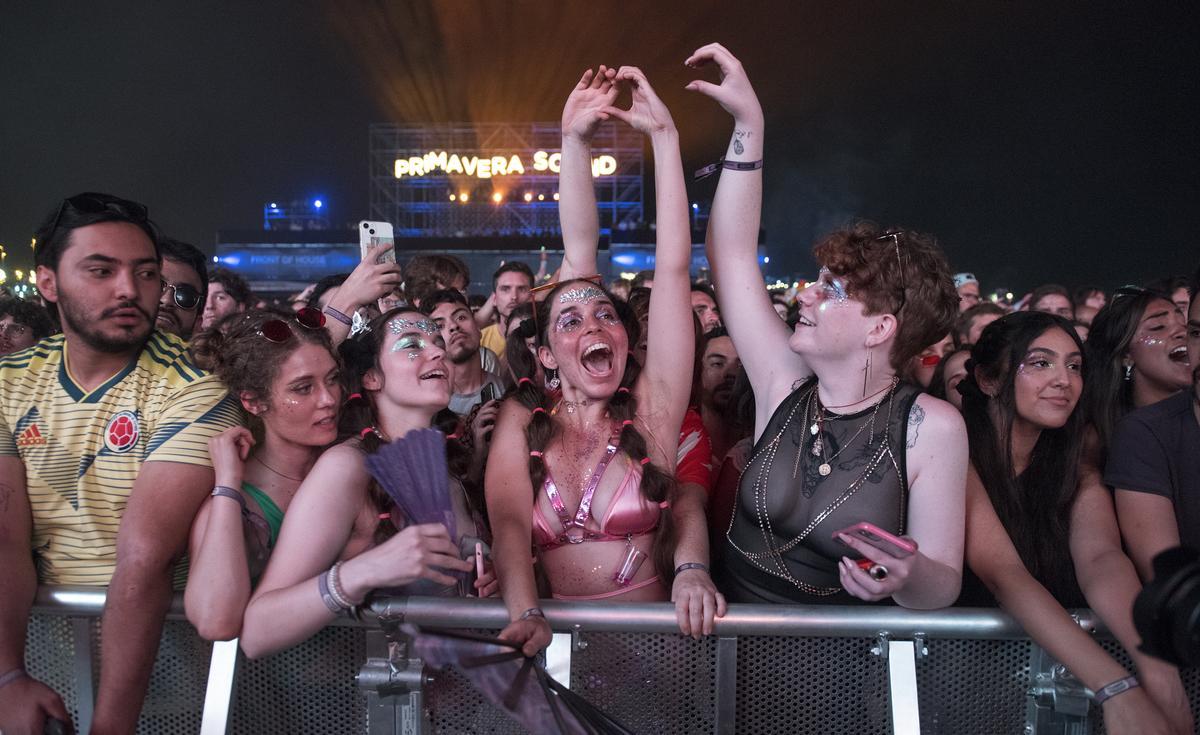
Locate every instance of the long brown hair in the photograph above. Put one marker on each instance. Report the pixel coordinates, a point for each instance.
(657, 486)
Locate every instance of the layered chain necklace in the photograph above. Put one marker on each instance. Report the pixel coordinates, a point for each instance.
(771, 559)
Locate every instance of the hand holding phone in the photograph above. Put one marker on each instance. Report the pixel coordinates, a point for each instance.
(889, 544)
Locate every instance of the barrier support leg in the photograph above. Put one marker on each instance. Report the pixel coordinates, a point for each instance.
(394, 684)
(726, 684)
(902, 687)
(218, 696)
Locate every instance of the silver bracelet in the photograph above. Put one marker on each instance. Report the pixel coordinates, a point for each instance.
(326, 597)
(335, 586)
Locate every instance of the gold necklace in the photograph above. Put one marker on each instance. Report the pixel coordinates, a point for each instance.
(818, 430)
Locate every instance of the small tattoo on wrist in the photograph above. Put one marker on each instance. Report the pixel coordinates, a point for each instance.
(738, 148)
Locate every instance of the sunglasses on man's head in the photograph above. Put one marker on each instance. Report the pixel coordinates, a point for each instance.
(95, 203)
(185, 296)
(278, 331)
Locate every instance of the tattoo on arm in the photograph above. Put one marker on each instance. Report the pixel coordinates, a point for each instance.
(915, 418)
(738, 148)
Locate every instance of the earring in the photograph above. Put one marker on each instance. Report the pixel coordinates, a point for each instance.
(554, 382)
(1129, 372)
(867, 373)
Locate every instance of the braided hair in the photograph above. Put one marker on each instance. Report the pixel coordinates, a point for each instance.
(359, 419)
(657, 486)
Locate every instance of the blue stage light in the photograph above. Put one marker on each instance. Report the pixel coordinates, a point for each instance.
(317, 203)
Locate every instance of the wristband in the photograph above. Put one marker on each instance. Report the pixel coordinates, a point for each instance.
(1105, 693)
(326, 597)
(11, 676)
(691, 565)
(335, 587)
(224, 491)
(721, 163)
(533, 612)
(337, 315)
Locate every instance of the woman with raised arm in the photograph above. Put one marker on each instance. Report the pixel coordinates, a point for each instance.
(282, 367)
(343, 536)
(1020, 401)
(839, 439)
(589, 478)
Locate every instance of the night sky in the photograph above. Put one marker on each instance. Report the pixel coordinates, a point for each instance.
(1037, 141)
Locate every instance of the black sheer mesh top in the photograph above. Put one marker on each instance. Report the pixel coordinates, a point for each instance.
(813, 473)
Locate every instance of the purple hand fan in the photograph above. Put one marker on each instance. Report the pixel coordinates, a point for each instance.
(413, 471)
(504, 676)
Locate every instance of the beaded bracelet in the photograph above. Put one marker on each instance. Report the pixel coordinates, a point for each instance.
(335, 587)
(1107, 692)
(691, 565)
(326, 597)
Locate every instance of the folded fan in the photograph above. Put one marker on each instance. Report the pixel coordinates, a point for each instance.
(413, 472)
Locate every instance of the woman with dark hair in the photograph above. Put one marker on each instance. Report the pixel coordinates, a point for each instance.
(1137, 355)
(282, 368)
(588, 477)
(831, 415)
(1020, 401)
(341, 517)
(949, 373)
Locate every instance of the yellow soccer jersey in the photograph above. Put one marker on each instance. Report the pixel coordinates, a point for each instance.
(82, 451)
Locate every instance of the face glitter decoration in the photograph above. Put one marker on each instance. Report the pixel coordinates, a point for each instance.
(833, 288)
(415, 345)
(583, 295)
(399, 326)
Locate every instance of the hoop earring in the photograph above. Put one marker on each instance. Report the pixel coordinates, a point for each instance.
(1129, 372)
(867, 373)
(554, 382)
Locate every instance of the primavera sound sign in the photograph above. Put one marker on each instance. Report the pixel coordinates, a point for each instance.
(487, 167)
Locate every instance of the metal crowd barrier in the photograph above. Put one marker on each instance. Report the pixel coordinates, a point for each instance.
(767, 669)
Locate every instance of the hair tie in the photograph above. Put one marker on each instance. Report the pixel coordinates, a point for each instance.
(665, 504)
(352, 397)
(451, 436)
(369, 430)
(535, 453)
(622, 389)
(385, 516)
(524, 381)
(538, 409)
(627, 422)
(645, 460)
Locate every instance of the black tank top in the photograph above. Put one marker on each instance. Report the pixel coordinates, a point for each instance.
(780, 547)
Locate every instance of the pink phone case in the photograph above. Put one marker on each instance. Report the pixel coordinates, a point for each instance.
(875, 536)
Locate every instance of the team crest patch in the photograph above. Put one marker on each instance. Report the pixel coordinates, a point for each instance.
(121, 433)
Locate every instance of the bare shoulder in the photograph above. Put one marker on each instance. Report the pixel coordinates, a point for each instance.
(934, 419)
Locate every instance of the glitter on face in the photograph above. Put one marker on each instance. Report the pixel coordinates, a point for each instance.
(583, 295)
(414, 344)
(834, 288)
(399, 326)
(1152, 342)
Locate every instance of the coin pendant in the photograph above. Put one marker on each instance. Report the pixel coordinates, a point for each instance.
(825, 469)
(813, 429)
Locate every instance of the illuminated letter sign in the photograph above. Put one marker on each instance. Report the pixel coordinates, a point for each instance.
(491, 166)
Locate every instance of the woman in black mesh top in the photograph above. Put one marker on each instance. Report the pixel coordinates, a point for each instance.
(838, 438)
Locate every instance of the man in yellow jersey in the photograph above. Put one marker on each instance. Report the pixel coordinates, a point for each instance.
(103, 455)
(511, 286)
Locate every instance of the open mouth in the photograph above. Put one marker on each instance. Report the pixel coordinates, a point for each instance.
(434, 375)
(1179, 355)
(598, 359)
(804, 321)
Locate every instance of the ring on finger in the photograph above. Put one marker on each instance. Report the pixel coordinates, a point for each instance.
(878, 572)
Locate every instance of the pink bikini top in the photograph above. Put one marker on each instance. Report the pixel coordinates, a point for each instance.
(629, 514)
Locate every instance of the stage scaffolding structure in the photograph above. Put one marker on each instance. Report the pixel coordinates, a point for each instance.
(430, 204)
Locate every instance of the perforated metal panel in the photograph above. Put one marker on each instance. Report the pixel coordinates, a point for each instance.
(811, 685)
(49, 651)
(1190, 677)
(973, 687)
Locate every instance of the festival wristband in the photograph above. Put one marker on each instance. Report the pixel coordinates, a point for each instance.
(691, 565)
(337, 315)
(11, 676)
(721, 163)
(224, 491)
(1105, 693)
(533, 612)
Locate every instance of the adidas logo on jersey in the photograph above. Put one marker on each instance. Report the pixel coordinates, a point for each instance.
(31, 437)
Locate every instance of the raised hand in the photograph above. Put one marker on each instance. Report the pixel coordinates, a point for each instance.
(372, 279)
(734, 93)
(647, 114)
(583, 112)
(228, 451)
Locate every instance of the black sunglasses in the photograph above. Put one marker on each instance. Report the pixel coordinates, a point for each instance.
(277, 331)
(95, 203)
(184, 295)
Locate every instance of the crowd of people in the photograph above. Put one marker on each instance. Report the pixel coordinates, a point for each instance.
(660, 440)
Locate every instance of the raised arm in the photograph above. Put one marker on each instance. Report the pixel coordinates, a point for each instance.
(372, 279)
(759, 335)
(577, 213)
(510, 509)
(993, 558)
(666, 379)
(24, 703)
(218, 584)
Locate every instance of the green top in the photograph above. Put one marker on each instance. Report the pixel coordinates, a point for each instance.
(270, 512)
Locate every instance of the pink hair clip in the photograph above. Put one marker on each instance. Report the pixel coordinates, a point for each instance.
(524, 381)
(538, 409)
(535, 453)
(645, 460)
(369, 430)
(627, 422)
(353, 397)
